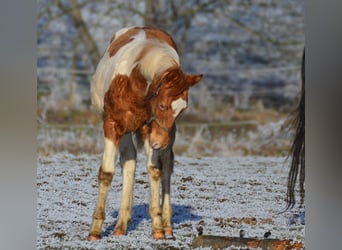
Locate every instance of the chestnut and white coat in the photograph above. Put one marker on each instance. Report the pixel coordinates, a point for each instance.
(140, 89)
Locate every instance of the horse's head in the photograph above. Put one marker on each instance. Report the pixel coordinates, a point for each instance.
(168, 98)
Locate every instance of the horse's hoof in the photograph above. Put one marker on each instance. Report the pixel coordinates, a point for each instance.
(92, 237)
(158, 235)
(168, 231)
(119, 233)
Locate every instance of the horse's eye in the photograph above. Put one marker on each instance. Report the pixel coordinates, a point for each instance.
(162, 107)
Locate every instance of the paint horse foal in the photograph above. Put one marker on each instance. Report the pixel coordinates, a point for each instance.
(140, 89)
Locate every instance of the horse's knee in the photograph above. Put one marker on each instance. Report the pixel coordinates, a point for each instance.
(155, 173)
(105, 178)
(99, 214)
(155, 211)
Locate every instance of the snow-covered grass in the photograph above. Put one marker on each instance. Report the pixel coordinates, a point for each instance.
(221, 194)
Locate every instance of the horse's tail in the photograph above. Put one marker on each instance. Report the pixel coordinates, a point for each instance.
(297, 150)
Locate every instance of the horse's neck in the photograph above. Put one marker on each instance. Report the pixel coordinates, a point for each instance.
(157, 60)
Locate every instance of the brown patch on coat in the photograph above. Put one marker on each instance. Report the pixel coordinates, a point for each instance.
(151, 33)
(145, 131)
(155, 33)
(120, 41)
(125, 106)
(174, 81)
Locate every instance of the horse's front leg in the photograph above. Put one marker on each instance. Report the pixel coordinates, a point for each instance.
(154, 175)
(105, 177)
(128, 156)
(166, 159)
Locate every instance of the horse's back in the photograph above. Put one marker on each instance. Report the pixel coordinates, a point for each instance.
(152, 49)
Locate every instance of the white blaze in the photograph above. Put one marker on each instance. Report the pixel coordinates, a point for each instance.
(177, 106)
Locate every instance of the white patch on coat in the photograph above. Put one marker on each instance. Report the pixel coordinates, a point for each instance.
(149, 153)
(109, 155)
(158, 59)
(178, 105)
(122, 31)
(155, 61)
(125, 57)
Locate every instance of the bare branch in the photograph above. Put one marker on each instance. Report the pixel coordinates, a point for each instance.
(85, 37)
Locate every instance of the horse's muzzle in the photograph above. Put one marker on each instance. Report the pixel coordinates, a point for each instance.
(159, 140)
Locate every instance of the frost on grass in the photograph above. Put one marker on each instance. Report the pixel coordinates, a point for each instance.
(268, 139)
(221, 194)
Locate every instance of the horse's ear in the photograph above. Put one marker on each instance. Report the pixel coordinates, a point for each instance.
(193, 79)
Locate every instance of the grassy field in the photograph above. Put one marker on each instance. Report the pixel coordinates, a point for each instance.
(229, 132)
(203, 139)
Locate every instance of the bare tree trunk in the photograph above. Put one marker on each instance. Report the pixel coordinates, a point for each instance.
(151, 18)
(84, 35)
(73, 76)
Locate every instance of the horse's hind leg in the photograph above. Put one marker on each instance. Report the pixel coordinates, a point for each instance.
(128, 156)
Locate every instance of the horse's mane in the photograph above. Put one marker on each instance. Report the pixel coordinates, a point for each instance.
(171, 81)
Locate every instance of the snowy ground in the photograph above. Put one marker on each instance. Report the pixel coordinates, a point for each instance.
(221, 194)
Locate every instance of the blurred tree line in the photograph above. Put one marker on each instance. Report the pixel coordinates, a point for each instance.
(237, 44)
